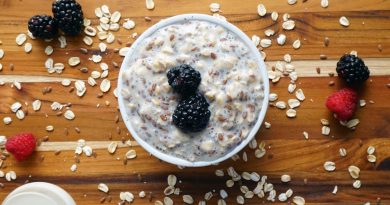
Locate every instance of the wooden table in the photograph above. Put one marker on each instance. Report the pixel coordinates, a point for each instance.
(287, 150)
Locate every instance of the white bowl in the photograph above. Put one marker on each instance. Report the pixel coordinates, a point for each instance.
(249, 44)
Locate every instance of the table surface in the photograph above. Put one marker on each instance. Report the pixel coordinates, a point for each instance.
(287, 150)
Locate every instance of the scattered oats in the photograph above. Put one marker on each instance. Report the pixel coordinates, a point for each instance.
(219, 173)
(353, 123)
(291, 87)
(128, 24)
(240, 200)
(3, 140)
(286, 16)
(103, 187)
(357, 184)
(269, 32)
(267, 125)
(249, 195)
(354, 53)
(102, 35)
(289, 193)
(274, 16)
(324, 3)
(134, 35)
(370, 150)
(288, 25)
(324, 122)
(259, 153)
(256, 40)
(110, 38)
(281, 105)
(223, 194)
(188, 199)
(126, 196)
(1, 68)
(20, 114)
(1, 53)
(90, 31)
(354, 171)
(169, 190)
(27, 47)
(343, 152)
(73, 168)
(74, 61)
(62, 41)
(58, 67)
(253, 144)
(123, 51)
(66, 82)
(261, 10)
(10, 176)
(285, 178)
(91, 81)
(7, 120)
(95, 74)
(49, 50)
(265, 43)
(208, 195)
(281, 39)
(291, 113)
(87, 150)
(221, 202)
(287, 58)
(69, 115)
(273, 97)
(141, 194)
(86, 22)
(96, 58)
(306, 135)
(293, 103)
(16, 106)
(282, 197)
(371, 158)
(299, 94)
(105, 85)
(214, 7)
(104, 74)
(291, 2)
(158, 203)
(168, 201)
(115, 17)
(131, 154)
(17, 85)
(335, 190)
(325, 130)
(20, 39)
(114, 27)
(102, 47)
(98, 12)
(344, 21)
(362, 103)
(296, 44)
(171, 180)
(149, 4)
(88, 40)
(298, 200)
(329, 166)
(229, 183)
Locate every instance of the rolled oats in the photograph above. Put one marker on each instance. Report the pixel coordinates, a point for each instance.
(27, 47)
(256, 40)
(131, 154)
(274, 16)
(288, 25)
(291, 87)
(285, 178)
(371, 158)
(20, 39)
(128, 24)
(7, 120)
(102, 47)
(115, 17)
(291, 113)
(329, 166)
(188, 199)
(150, 4)
(20, 114)
(306, 135)
(293, 103)
(299, 94)
(325, 130)
(298, 200)
(282, 197)
(171, 180)
(103, 187)
(324, 3)
(261, 10)
(281, 105)
(291, 2)
(105, 85)
(357, 184)
(344, 21)
(343, 152)
(62, 41)
(265, 43)
(281, 39)
(69, 115)
(74, 61)
(214, 7)
(112, 147)
(370, 150)
(296, 44)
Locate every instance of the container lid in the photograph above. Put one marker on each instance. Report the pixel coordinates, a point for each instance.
(39, 193)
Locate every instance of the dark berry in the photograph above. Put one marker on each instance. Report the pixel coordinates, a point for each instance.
(192, 114)
(352, 69)
(69, 15)
(43, 26)
(184, 79)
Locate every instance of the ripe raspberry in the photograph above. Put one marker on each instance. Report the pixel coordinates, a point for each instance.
(21, 145)
(342, 103)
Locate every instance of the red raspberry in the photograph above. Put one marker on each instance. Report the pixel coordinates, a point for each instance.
(342, 103)
(21, 145)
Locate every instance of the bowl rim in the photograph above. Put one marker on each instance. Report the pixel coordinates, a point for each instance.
(260, 62)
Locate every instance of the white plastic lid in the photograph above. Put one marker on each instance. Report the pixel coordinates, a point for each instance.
(39, 193)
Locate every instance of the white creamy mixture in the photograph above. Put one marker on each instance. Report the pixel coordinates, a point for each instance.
(231, 82)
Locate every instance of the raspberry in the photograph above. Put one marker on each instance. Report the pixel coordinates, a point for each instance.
(342, 103)
(21, 145)
(184, 79)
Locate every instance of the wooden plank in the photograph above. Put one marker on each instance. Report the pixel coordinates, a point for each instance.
(293, 157)
(97, 123)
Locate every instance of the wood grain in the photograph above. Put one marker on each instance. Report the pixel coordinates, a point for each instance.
(287, 150)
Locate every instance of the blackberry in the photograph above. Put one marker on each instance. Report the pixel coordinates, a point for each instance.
(69, 15)
(184, 79)
(352, 69)
(43, 26)
(192, 113)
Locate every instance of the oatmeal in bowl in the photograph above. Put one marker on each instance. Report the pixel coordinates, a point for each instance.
(193, 90)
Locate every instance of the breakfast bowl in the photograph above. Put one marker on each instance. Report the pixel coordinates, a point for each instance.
(234, 82)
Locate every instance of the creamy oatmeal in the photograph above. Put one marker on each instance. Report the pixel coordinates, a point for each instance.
(231, 83)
